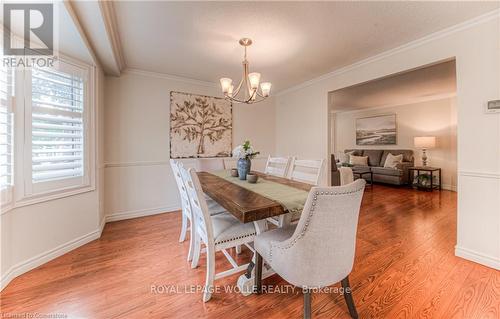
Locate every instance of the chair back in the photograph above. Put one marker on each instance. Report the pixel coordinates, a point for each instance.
(307, 171)
(185, 204)
(346, 175)
(277, 166)
(209, 164)
(321, 250)
(200, 212)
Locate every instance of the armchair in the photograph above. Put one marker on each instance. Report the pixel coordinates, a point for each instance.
(319, 251)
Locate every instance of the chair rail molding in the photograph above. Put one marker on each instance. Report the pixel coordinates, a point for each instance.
(479, 174)
(135, 163)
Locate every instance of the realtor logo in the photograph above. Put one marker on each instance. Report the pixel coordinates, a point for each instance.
(34, 22)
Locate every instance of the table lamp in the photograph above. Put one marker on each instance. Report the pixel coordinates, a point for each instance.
(424, 143)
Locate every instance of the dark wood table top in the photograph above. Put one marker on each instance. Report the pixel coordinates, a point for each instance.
(244, 204)
(423, 168)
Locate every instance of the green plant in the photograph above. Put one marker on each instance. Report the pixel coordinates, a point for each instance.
(423, 180)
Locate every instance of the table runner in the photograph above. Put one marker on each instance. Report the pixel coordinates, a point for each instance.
(291, 198)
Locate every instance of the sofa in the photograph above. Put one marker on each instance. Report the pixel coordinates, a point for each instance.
(381, 174)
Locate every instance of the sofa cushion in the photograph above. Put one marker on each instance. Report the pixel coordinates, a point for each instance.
(358, 160)
(407, 155)
(387, 171)
(374, 157)
(360, 168)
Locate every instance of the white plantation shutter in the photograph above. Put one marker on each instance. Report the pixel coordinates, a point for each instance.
(57, 132)
(6, 128)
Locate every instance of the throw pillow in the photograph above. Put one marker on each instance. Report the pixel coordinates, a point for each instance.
(392, 161)
(358, 160)
(347, 156)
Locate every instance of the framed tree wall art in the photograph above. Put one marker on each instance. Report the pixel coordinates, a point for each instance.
(200, 126)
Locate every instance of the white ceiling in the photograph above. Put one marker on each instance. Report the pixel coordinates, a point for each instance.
(426, 83)
(293, 41)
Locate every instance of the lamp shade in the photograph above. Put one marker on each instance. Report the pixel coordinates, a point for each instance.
(424, 142)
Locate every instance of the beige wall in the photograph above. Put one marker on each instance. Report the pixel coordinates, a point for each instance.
(302, 121)
(431, 118)
(138, 179)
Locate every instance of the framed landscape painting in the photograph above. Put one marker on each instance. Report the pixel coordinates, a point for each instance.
(200, 126)
(376, 130)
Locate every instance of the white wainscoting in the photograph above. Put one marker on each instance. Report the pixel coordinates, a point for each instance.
(479, 216)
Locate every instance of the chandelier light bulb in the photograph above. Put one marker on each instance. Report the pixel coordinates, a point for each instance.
(226, 84)
(254, 79)
(265, 88)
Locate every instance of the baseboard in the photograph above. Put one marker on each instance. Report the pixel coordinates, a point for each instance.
(47, 256)
(113, 217)
(101, 225)
(448, 187)
(479, 258)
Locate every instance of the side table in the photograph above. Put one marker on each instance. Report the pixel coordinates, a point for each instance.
(431, 170)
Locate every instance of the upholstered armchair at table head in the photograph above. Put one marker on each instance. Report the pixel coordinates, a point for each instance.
(319, 251)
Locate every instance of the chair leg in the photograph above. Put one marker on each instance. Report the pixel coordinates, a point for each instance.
(348, 298)
(192, 235)
(196, 251)
(307, 304)
(258, 273)
(209, 283)
(182, 237)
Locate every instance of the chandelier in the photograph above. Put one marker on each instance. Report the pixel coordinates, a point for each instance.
(249, 83)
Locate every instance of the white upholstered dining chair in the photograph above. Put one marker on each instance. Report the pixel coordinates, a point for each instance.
(214, 208)
(277, 166)
(307, 171)
(319, 250)
(346, 175)
(218, 232)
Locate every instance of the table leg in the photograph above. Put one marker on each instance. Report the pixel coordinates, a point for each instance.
(432, 182)
(246, 281)
(440, 179)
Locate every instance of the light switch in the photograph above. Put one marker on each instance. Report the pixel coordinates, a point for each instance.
(493, 107)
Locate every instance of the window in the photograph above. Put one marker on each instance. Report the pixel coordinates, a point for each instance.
(57, 126)
(56, 133)
(6, 133)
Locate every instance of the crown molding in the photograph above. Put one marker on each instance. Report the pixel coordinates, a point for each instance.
(109, 18)
(169, 77)
(423, 99)
(405, 47)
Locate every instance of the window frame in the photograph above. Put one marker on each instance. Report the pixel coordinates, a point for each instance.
(6, 194)
(25, 191)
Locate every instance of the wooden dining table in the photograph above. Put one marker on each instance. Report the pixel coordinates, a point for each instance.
(248, 206)
(243, 203)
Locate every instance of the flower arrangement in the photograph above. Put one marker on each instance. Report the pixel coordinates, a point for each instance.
(244, 151)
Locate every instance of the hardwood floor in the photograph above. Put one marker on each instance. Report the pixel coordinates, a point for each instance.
(405, 268)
